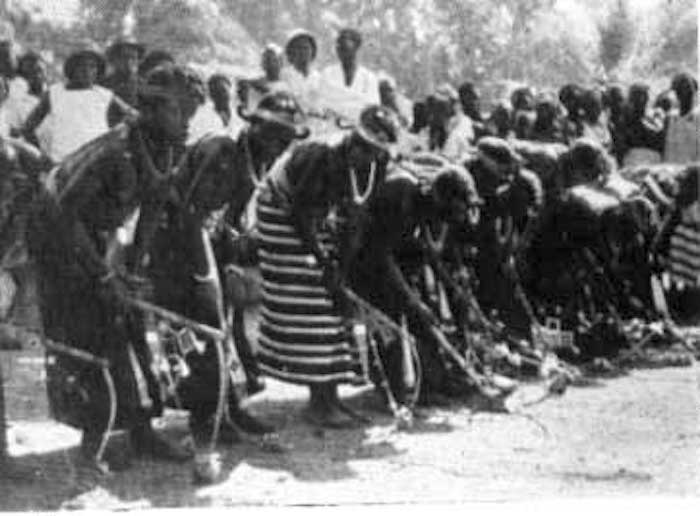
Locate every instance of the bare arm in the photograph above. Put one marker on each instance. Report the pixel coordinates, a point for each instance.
(36, 117)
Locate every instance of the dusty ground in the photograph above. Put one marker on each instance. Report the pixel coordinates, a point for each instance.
(636, 435)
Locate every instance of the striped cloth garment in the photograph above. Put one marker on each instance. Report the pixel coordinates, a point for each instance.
(685, 249)
(302, 339)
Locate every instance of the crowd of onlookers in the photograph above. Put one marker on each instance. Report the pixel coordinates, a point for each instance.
(626, 123)
(101, 88)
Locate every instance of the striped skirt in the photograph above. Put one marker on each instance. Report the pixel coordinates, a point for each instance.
(302, 337)
(685, 254)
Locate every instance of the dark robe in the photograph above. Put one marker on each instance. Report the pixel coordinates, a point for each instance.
(96, 191)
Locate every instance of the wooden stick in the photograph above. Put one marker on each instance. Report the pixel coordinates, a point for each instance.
(204, 329)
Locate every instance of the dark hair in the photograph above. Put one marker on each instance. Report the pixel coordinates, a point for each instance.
(28, 57)
(638, 90)
(522, 96)
(570, 96)
(685, 83)
(468, 89)
(452, 183)
(351, 34)
(614, 96)
(664, 101)
(591, 99)
(217, 77)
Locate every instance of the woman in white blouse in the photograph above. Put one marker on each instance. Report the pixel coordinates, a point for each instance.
(303, 81)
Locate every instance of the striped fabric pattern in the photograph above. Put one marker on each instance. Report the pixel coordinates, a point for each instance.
(685, 252)
(302, 338)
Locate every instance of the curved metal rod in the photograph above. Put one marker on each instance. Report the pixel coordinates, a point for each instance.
(222, 395)
(112, 393)
(202, 329)
(76, 353)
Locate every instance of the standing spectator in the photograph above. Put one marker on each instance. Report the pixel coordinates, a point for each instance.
(31, 70)
(251, 91)
(16, 86)
(451, 131)
(498, 123)
(303, 80)
(389, 98)
(123, 56)
(614, 101)
(523, 102)
(219, 87)
(76, 111)
(470, 99)
(546, 127)
(415, 139)
(347, 86)
(683, 128)
(643, 138)
(570, 98)
(206, 119)
(593, 124)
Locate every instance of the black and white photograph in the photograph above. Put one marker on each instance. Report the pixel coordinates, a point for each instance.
(322, 254)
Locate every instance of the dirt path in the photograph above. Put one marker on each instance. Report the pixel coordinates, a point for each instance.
(630, 436)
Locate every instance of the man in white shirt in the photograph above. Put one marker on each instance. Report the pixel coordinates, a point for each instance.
(348, 87)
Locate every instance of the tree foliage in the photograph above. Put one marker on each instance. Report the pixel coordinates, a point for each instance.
(617, 34)
(419, 42)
